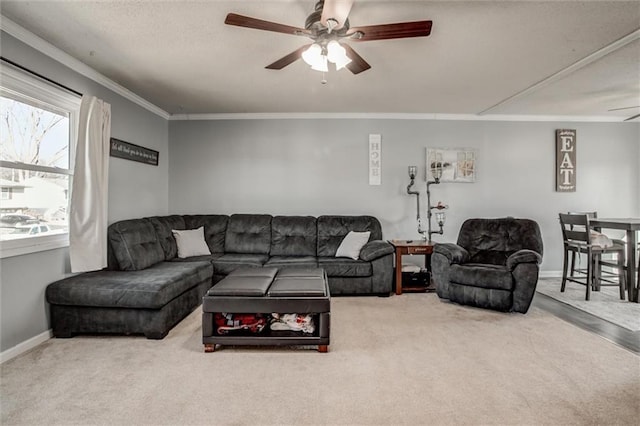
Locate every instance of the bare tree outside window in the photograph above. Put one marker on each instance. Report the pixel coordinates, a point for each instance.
(34, 151)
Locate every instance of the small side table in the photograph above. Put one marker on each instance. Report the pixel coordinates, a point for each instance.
(408, 247)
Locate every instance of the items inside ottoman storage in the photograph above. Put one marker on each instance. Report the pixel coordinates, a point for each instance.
(264, 324)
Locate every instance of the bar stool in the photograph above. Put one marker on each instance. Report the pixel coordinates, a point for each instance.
(577, 239)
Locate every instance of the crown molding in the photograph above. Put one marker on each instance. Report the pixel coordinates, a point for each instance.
(43, 46)
(391, 116)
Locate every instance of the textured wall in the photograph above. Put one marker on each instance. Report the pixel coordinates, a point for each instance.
(135, 190)
(320, 167)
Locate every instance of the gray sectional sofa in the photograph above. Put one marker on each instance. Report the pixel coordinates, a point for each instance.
(147, 289)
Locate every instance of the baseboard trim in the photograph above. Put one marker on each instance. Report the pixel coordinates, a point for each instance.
(550, 274)
(25, 346)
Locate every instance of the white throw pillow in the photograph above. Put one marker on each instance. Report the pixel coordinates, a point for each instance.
(191, 242)
(352, 244)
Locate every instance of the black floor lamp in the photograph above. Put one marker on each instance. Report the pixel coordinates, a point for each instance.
(439, 214)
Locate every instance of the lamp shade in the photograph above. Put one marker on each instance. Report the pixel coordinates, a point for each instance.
(321, 64)
(313, 55)
(337, 54)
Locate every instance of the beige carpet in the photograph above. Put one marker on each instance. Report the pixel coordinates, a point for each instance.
(605, 304)
(408, 359)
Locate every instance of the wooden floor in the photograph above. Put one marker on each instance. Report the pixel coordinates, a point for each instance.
(619, 335)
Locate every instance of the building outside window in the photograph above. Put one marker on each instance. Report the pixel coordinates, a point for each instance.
(6, 192)
(37, 135)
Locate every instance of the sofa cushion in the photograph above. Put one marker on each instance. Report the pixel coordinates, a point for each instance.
(333, 229)
(205, 258)
(493, 257)
(163, 226)
(500, 235)
(293, 236)
(492, 298)
(482, 275)
(352, 285)
(215, 228)
(152, 288)
(248, 233)
(135, 244)
(292, 261)
(229, 262)
(344, 267)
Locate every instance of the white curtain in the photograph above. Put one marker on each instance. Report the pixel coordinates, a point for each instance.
(90, 190)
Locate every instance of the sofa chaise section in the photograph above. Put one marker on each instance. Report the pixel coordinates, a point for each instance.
(140, 293)
(149, 302)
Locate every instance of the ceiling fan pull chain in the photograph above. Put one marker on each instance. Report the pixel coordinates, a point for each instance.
(324, 78)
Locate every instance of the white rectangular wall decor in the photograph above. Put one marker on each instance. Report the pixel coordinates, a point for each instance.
(451, 164)
(375, 159)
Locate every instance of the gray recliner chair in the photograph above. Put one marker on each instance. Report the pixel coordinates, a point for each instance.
(494, 264)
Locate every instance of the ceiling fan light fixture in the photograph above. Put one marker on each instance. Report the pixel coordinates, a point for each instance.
(337, 54)
(321, 65)
(313, 54)
(316, 57)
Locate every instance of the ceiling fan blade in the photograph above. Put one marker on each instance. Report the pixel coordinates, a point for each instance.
(259, 24)
(337, 10)
(632, 117)
(390, 31)
(618, 109)
(289, 59)
(357, 64)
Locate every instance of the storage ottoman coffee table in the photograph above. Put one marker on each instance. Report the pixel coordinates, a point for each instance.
(265, 291)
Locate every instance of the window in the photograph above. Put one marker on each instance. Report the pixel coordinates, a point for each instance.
(37, 134)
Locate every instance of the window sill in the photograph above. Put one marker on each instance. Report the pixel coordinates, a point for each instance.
(33, 245)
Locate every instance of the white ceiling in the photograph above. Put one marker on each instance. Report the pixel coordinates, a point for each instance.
(554, 58)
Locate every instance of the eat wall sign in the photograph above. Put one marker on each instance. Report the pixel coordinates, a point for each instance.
(566, 160)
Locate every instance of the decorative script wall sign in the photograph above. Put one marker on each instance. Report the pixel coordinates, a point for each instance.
(129, 151)
(566, 160)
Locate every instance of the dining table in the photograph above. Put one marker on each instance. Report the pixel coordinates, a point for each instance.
(631, 226)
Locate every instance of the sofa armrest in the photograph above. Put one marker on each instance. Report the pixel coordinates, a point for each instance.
(453, 252)
(375, 249)
(523, 256)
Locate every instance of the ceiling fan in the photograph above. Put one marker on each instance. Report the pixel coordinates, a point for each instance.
(327, 26)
